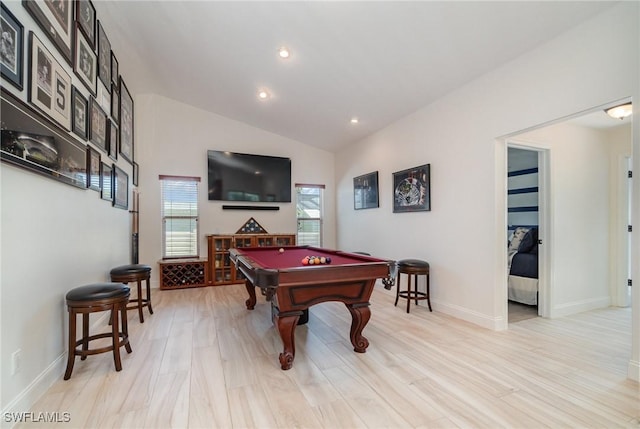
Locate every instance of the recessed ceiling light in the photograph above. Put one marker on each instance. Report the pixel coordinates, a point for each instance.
(354, 120)
(263, 94)
(283, 52)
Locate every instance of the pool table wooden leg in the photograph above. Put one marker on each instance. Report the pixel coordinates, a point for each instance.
(286, 327)
(251, 302)
(360, 315)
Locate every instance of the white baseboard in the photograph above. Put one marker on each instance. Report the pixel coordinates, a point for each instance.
(488, 322)
(634, 370)
(576, 307)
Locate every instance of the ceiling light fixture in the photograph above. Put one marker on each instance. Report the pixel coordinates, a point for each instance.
(621, 111)
(354, 120)
(263, 94)
(283, 52)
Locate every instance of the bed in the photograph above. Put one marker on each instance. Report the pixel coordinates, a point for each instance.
(523, 265)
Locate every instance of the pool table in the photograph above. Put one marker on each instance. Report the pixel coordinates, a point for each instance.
(293, 287)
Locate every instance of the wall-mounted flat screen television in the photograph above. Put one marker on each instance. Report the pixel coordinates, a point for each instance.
(246, 177)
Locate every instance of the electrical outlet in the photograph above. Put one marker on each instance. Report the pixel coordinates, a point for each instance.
(16, 361)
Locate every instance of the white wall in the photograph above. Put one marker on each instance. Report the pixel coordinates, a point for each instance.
(173, 139)
(462, 236)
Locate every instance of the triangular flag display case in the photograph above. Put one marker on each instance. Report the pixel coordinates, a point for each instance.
(251, 226)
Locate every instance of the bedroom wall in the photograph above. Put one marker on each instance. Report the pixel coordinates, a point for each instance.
(459, 135)
(173, 139)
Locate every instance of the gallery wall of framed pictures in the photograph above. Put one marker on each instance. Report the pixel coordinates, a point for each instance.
(67, 109)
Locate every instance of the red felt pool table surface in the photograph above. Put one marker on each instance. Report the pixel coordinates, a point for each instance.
(291, 257)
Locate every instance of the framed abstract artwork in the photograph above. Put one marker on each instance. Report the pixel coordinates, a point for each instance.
(365, 191)
(412, 189)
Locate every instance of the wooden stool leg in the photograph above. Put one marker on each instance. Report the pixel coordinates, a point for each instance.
(416, 285)
(428, 293)
(125, 326)
(85, 334)
(149, 295)
(409, 292)
(397, 289)
(140, 301)
(115, 340)
(72, 344)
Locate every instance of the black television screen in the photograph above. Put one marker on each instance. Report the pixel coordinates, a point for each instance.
(245, 177)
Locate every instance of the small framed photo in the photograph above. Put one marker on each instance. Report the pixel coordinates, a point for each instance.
(113, 141)
(11, 48)
(97, 125)
(93, 169)
(79, 124)
(55, 18)
(136, 172)
(49, 83)
(106, 182)
(104, 57)
(86, 19)
(85, 62)
(120, 188)
(365, 191)
(114, 69)
(126, 122)
(411, 189)
(115, 103)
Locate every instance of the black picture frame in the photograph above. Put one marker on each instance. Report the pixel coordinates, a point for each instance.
(79, 108)
(412, 189)
(12, 52)
(120, 188)
(106, 182)
(126, 123)
(104, 57)
(97, 125)
(49, 83)
(93, 169)
(115, 69)
(86, 19)
(56, 21)
(85, 61)
(115, 103)
(113, 141)
(136, 173)
(68, 160)
(365, 191)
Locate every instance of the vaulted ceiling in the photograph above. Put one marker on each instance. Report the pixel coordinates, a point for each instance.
(375, 61)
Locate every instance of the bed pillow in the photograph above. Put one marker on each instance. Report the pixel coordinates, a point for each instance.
(516, 238)
(529, 241)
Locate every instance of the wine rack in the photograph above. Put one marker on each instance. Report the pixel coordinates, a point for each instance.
(183, 273)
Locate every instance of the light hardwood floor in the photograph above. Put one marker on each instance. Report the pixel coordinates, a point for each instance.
(204, 361)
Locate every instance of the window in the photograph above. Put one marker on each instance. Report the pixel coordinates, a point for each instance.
(179, 216)
(309, 214)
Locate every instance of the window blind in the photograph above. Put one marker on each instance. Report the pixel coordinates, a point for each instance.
(179, 216)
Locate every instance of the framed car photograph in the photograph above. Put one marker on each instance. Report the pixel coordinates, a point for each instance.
(86, 19)
(97, 125)
(104, 57)
(93, 169)
(126, 122)
(106, 182)
(113, 141)
(79, 107)
(412, 189)
(55, 18)
(120, 188)
(85, 62)
(11, 48)
(49, 84)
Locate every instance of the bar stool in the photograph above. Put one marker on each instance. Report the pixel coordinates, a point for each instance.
(91, 299)
(135, 273)
(415, 268)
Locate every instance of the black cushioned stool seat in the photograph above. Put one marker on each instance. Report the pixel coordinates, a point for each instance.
(135, 273)
(415, 268)
(91, 299)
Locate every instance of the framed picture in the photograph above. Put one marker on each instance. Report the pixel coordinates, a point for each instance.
(120, 188)
(115, 73)
(55, 18)
(49, 84)
(79, 124)
(115, 103)
(86, 19)
(411, 189)
(136, 172)
(365, 191)
(11, 48)
(37, 144)
(113, 141)
(97, 125)
(85, 62)
(104, 57)
(106, 182)
(93, 169)
(126, 122)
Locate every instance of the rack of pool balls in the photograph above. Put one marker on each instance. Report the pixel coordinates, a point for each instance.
(316, 260)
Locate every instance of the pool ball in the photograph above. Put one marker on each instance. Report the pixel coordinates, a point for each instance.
(327, 260)
(281, 250)
(305, 261)
(323, 260)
